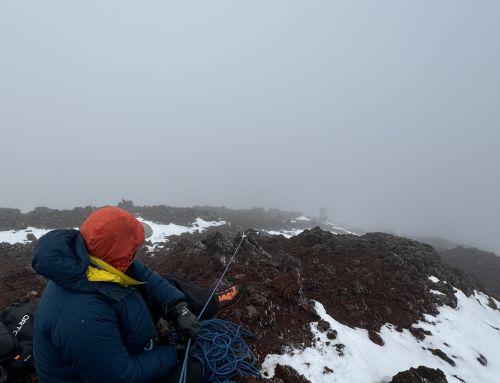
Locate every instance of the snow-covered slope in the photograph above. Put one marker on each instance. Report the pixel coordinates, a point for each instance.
(468, 337)
(285, 233)
(332, 227)
(302, 218)
(161, 232)
(337, 229)
(21, 236)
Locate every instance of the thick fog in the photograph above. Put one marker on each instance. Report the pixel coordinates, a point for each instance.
(385, 112)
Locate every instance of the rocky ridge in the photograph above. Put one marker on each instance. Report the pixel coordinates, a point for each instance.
(367, 281)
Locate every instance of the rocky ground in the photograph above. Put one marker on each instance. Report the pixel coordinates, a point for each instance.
(366, 281)
(43, 217)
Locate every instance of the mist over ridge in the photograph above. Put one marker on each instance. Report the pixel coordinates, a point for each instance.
(385, 114)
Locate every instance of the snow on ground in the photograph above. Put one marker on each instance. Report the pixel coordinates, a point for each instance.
(302, 218)
(21, 236)
(342, 230)
(161, 231)
(470, 330)
(285, 233)
(291, 233)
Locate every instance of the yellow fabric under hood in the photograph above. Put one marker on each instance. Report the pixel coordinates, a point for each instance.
(104, 272)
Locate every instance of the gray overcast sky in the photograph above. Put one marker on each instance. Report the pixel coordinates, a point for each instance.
(385, 112)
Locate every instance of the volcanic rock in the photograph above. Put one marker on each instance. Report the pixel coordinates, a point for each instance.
(442, 355)
(421, 374)
(365, 281)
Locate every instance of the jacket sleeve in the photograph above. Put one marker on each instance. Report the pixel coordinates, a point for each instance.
(94, 343)
(160, 289)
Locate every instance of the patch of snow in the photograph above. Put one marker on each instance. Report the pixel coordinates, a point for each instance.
(344, 230)
(153, 247)
(483, 299)
(340, 228)
(21, 236)
(436, 292)
(285, 233)
(468, 331)
(161, 231)
(434, 279)
(303, 218)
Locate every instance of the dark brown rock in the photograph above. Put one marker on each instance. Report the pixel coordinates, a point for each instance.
(31, 237)
(375, 337)
(288, 285)
(323, 325)
(421, 374)
(442, 355)
(331, 334)
(419, 333)
(482, 359)
(285, 374)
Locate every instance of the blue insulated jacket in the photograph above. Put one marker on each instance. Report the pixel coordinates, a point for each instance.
(92, 331)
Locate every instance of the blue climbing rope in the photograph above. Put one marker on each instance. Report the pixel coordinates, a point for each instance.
(220, 346)
(223, 352)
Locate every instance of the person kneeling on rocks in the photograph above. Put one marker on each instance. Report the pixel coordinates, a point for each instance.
(96, 319)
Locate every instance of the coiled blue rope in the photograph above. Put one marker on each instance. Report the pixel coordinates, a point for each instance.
(223, 352)
(220, 346)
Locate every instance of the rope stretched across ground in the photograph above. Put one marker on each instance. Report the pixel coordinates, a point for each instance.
(220, 346)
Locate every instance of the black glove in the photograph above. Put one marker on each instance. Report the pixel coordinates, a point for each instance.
(173, 339)
(185, 320)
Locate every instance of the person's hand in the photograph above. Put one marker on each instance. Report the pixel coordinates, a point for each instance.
(185, 320)
(173, 339)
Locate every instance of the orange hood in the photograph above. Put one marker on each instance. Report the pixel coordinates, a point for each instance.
(113, 235)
